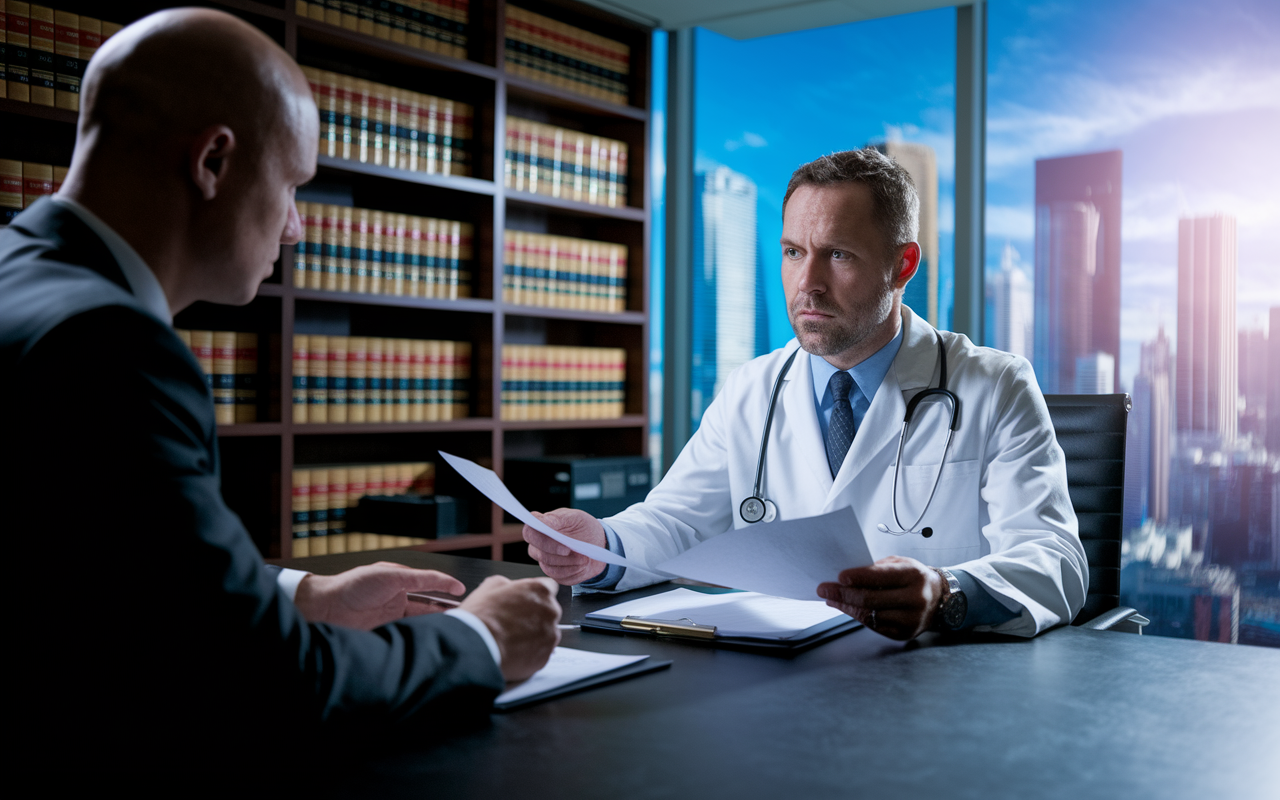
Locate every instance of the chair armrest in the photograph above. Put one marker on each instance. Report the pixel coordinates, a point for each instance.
(1123, 619)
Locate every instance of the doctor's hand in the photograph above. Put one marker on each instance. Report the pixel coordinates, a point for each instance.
(369, 596)
(558, 561)
(903, 593)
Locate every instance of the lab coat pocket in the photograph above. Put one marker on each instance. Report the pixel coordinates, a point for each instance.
(952, 517)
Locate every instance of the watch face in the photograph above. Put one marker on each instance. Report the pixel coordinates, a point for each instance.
(955, 610)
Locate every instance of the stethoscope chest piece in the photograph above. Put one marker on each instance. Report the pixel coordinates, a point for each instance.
(754, 509)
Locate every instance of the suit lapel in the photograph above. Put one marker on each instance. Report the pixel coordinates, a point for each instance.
(73, 241)
(882, 425)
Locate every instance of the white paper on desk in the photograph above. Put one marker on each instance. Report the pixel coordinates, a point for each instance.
(739, 614)
(784, 559)
(492, 487)
(566, 666)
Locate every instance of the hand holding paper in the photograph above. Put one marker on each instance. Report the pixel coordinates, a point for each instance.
(784, 559)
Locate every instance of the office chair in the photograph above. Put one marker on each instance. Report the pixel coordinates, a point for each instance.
(1091, 432)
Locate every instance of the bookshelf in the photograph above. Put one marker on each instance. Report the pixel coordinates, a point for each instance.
(258, 458)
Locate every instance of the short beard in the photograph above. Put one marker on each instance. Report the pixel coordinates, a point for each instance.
(846, 329)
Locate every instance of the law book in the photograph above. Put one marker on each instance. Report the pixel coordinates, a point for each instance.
(11, 189)
(357, 379)
(394, 236)
(301, 498)
(18, 50)
(202, 349)
(403, 377)
(337, 276)
(90, 37)
(365, 17)
(4, 56)
(351, 15)
(357, 487)
(510, 246)
(302, 8)
(346, 100)
(409, 134)
(319, 516)
(42, 58)
(379, 127)
(379, 263)
(318, 379)
(301, 249)
(417, 380)
(414, 258)
(110, 29)
(69, 67)
(337, 507)
(337, 378)
(300, 358)
(224, 377)
(246, 377)
(37, 181)
(462, 378)
(435, 389)
(375, 399)
(430, 264)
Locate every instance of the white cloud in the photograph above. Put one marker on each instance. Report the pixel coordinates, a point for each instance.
(1011, 222)
(1152, 212)
(748, 139)
(1082, 109)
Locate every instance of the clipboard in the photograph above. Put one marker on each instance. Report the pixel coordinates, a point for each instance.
(613, 676)
(689, 632)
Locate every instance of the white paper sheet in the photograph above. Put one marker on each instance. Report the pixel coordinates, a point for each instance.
(743, 614)
(492, 487)
(784, 559)
(788, 558)
(566, 666)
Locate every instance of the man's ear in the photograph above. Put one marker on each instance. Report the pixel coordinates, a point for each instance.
(208, 159)
(906, 265)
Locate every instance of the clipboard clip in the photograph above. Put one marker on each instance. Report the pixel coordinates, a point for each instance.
(670, 627)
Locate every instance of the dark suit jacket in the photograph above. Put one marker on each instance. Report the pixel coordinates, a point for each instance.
(147, 606)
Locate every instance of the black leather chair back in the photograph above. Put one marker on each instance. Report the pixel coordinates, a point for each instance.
(1091, 431)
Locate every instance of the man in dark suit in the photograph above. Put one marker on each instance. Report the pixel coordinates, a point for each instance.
(150, 632)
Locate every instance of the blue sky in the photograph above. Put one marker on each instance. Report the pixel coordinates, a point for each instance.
(1189, 90)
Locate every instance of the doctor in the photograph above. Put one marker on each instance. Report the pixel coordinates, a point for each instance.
(997, 546)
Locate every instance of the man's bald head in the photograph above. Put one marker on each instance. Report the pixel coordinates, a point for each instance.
(195, 132)
(177, 72)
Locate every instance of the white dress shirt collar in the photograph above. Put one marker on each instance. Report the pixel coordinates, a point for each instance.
(142, 281)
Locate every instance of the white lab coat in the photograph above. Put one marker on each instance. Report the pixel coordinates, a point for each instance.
(1001, 513)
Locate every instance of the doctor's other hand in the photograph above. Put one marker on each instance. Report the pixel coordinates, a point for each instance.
(903, 593)
(522, 617)
(369, 596)
(558, 561)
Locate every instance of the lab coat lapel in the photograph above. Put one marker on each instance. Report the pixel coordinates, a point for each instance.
(882, 424)
(802, 422)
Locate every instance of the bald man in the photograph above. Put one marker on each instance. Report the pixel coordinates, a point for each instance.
(150, 609)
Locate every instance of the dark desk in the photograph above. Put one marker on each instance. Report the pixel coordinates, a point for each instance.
(1072, 714)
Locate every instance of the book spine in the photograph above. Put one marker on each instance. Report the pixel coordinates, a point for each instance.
(417, 380)
(302, 250)
(301, 513)
(434, 371)
(357, 379)
(224, 377)
(18, 50)
(357, 483)
(466, 256)
(338, 391)
(300, 357)
(337, 537)
(318, 379)
(319, 518)
(361, 230)
(375, 399)
(69, 68)
(338, 269)
(508, 266)
(37, 181)
(506, 398)
(329, 238)
(90, 37)
(413, 257)
(403, 377)
(43, 69)
(246, 377)
(431, 258)
(10, 190)
(429, 122)
(394, 271)
(462, 381)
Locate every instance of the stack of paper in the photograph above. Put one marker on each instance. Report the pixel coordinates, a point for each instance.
(745, 615)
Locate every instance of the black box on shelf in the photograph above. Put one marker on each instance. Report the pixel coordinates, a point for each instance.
(430, 517)
(598, 486)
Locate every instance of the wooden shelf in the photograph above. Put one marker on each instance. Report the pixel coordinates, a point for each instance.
(340, 428)
(541, 312)
(251, 429)
(475, 305)
(20, 108)
(324, 33)
(626, 421)
(574, 207)
(522, 88)
(457, 183)
(467, 541)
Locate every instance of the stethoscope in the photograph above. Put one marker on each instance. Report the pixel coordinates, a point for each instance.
(757, 509)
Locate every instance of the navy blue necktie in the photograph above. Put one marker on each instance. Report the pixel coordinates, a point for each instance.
(840, 431)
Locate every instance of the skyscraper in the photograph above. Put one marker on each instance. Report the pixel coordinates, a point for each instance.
(1253, 352)
(921, 163)
(1207, 327)
(1095, 374)
(1077, 263)
(727, 302)
(1155, 367)
(1014, 305)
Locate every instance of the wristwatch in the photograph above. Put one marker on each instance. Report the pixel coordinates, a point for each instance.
(954, 606)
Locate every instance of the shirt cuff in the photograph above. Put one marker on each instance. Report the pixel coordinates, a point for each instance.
(288, 580)
(612, 573)
(477, 625)
(984, 609)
